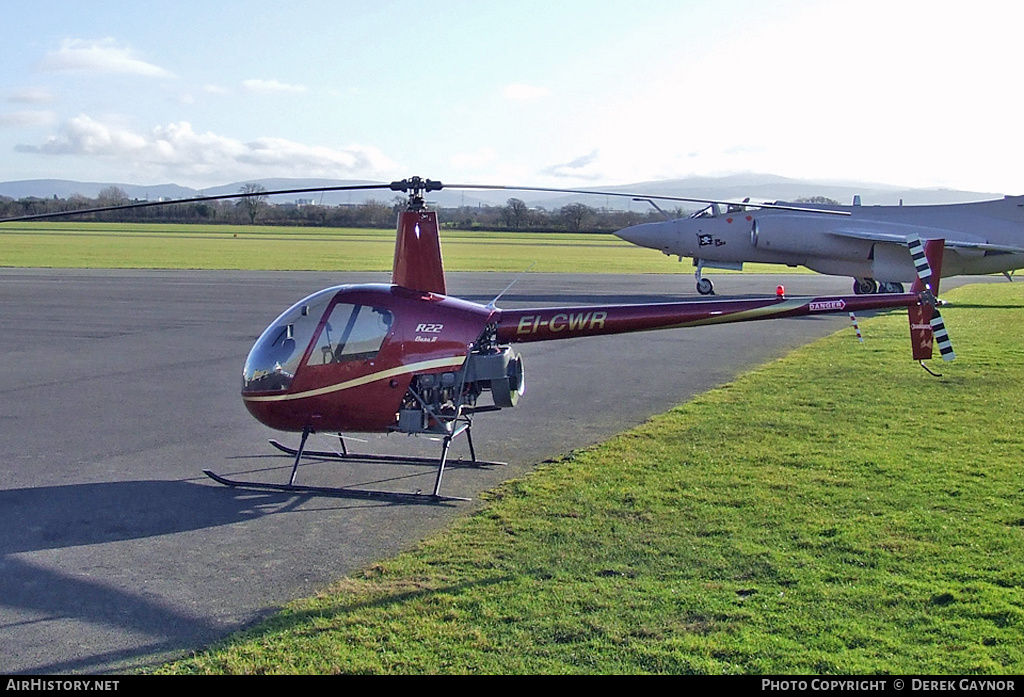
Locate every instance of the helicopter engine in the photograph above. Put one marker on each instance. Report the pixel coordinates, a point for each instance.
(500, 370)
(434, 401)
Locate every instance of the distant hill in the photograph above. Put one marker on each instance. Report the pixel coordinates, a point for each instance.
(770, 187)
(64, 188)
(759, 187)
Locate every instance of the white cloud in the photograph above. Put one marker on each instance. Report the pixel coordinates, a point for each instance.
(31, 95)
(272, 86)
(27, 119)
(519, 92)
(84, 136)
(586, 167)
(103, 56)
(178, 151)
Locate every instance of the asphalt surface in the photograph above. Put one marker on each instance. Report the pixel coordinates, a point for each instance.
(119, 387)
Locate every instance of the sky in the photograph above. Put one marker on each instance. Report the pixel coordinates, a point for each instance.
(553, 93)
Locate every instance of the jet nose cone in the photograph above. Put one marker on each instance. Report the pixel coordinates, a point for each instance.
(646, 235)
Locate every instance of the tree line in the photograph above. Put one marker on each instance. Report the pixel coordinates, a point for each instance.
(257, 209)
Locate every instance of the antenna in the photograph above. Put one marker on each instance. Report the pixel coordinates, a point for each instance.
(520, 275)
(656, 207)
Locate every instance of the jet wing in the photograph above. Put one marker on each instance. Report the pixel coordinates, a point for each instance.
(899, 234)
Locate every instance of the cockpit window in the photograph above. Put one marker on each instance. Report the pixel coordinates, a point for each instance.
(707, 212)
(351, 333)
(274, 358)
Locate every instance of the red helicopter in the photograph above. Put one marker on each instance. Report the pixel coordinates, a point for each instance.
(406, 357)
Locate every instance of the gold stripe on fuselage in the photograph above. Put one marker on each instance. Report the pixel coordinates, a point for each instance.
(742, 315)
(363, 380)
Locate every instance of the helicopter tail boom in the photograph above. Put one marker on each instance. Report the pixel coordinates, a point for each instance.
(926, 326)
(546, 324)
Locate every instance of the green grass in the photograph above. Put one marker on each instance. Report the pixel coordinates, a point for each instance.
(157, 246)
(838, 511)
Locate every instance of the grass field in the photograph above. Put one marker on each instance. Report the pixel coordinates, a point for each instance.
(838, 511)
(151, 246)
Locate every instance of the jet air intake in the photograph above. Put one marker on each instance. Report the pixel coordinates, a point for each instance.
(804, 236)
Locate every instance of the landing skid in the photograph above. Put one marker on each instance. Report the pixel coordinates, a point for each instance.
(335, 492)
(352, 492)
(344, 455)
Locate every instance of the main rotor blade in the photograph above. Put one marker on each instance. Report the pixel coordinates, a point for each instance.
(197, 199)
(420, 185)
(684, 199)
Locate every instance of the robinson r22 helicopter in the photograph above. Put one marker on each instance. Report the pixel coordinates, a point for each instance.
(406, 357)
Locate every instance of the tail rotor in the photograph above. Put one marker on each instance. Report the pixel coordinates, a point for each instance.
(926, 325)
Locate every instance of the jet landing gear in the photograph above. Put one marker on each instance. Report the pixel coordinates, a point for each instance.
(704, 285)
(864, 286)
(869, 286)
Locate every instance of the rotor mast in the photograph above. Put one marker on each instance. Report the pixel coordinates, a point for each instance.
(416, 187)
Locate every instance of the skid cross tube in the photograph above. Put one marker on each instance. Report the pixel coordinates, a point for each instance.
(353, 492)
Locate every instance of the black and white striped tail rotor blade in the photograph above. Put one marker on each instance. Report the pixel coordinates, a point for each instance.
(941, 336)
(924, 272)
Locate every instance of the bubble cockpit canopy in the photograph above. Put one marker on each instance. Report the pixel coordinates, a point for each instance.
(351, 332)
(275, 357)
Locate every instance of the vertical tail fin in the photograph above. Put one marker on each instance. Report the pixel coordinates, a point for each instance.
(926, 325)
(418, 264)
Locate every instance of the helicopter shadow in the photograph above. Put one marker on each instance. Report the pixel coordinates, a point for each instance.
(72, 552)
(57, 517)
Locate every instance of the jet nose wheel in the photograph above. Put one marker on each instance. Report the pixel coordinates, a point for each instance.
(864, 286)
(705, 286)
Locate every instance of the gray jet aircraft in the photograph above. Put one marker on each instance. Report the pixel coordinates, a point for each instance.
(867, 243)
